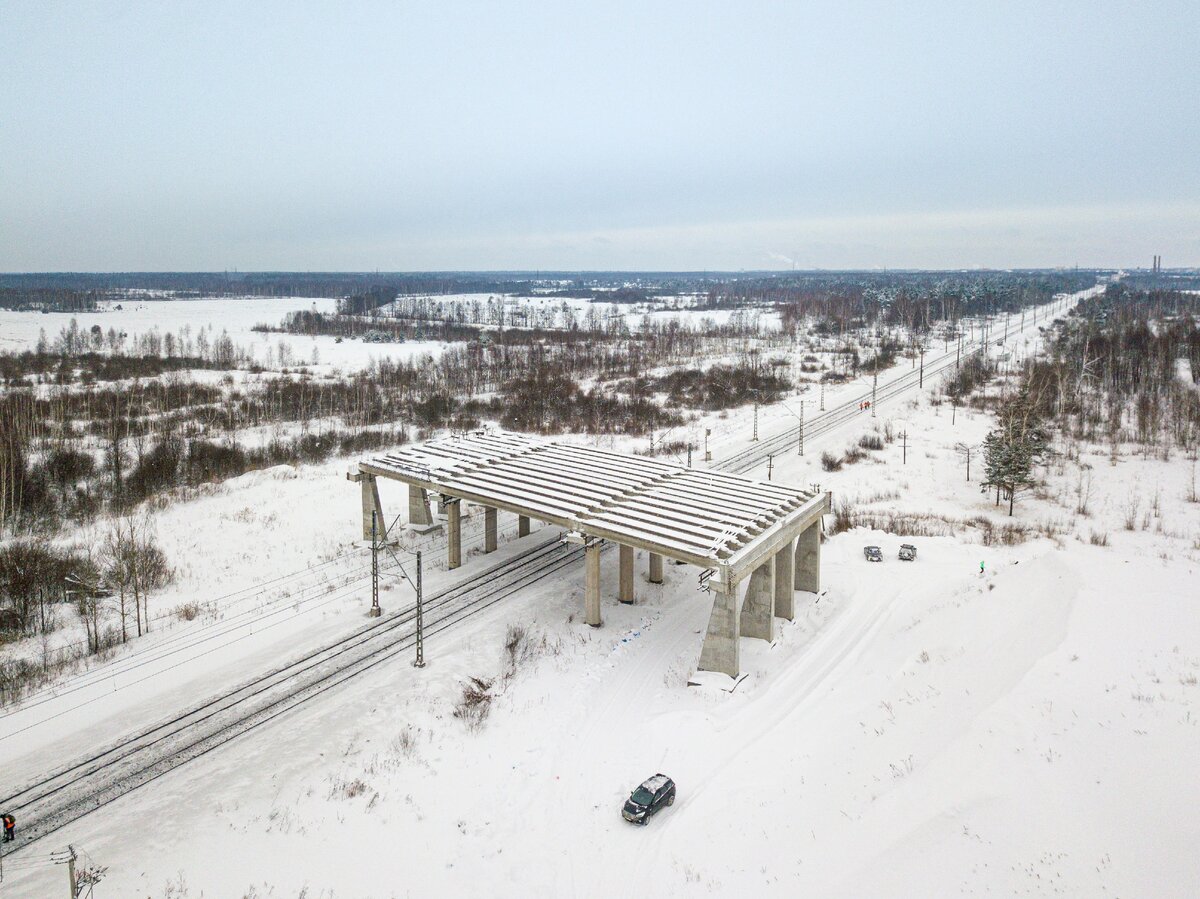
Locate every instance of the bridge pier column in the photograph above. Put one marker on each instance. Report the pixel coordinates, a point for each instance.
(489, 529)
(758, 608)
(418, 506)
(720, 651)
(522, 525)
(454, 533)
(808, 559)
(656, 568)
(625, 586)
(370, 503)
(785, 581)
(591, 592)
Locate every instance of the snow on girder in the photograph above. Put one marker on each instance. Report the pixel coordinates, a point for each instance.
(704, 517)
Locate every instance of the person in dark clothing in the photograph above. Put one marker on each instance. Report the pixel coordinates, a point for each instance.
(10, 828)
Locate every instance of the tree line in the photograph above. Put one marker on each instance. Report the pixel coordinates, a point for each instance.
(1123, 368)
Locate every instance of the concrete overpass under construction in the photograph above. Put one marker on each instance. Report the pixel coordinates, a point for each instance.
(757, 542)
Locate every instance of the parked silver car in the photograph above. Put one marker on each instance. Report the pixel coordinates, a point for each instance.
(873, 553)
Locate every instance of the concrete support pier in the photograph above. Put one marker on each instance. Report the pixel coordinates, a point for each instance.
(656, 575)
(454, 533)
(522, 525)
(808, 559)
(758, 608)
(625, 590)
(370, 503)
(591, 592)
(785, 581)
(720, 652)
(418, 506)
(489, 529)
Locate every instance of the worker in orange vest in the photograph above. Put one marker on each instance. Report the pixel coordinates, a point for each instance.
(10, 828)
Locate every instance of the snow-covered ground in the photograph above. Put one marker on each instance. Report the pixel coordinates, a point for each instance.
(920, 730)
(682, 309)
(236, 316)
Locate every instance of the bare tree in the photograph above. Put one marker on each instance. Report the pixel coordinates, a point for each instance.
(114, 565)
(133, 567)
(1083, 490)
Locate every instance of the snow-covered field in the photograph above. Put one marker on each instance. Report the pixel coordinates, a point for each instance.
(919, 730)
(236, 316)
(659, 309)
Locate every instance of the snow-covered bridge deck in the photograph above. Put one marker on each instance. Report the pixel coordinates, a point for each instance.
(736, 526)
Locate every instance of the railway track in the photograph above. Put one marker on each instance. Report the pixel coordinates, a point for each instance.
(67, 794)
(750, 458)
(753, 456)
(54, 800)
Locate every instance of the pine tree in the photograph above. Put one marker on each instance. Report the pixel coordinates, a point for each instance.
(1013, 448)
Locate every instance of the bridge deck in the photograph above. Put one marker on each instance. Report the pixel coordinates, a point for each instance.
(706, 518)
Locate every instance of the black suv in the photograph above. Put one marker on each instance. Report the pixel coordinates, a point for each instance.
(656, 792)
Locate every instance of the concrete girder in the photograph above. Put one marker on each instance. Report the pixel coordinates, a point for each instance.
(522, 525)
(549, 504)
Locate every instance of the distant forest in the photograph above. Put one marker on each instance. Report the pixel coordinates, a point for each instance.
(79, 292)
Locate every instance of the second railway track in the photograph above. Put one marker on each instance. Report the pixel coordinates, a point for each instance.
(55, 800)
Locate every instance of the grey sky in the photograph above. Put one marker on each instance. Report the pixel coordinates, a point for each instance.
(690, 135)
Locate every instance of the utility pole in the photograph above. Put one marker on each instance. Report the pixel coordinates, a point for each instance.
(874, 385)
(375, 610)
(921, 377)
(707, 453)
(770, 466)
(965, 449)
(904, 444)
(420, 660)
(822, 395)
(801, 447)
(71, 872)
(958, 352)
(689, 455)
(755, 437)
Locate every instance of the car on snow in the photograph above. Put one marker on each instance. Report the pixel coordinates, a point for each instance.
(873, 553)
(908, 552)
(654, 794)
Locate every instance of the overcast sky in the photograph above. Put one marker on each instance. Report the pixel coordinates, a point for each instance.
(607, 135)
